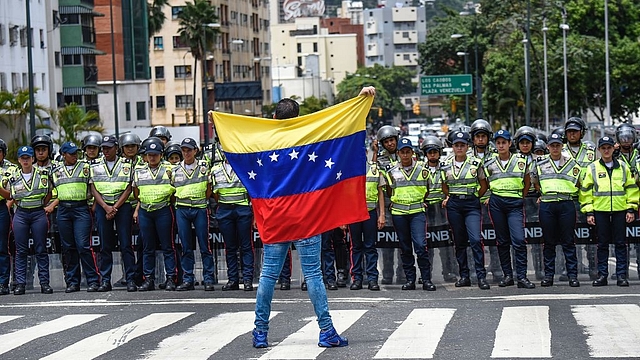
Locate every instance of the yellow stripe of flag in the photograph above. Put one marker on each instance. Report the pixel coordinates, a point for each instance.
(244, 134)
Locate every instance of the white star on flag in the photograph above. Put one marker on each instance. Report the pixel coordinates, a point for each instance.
(274, 157)
(293, 154)
(313, 156)
(328, 163)
(338, 175)
(259, 161)
(252, 175)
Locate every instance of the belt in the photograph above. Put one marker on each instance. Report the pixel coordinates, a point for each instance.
(462, 197)
(73, 204)
(31, 210)
(231, 205)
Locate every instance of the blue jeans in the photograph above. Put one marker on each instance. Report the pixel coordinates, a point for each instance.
(412, 235)
(75, 225)
(363, 247)
(464, 219)
(157, 226)
(5, 260)
(108, 241)
(32, 223)
(185, 216)
(274, 255)
(558, 221)
(508, 222)
(235, 223)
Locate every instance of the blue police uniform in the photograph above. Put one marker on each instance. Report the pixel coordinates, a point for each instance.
(6, 168)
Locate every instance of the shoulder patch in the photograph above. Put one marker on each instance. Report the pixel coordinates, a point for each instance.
(126, 160)
(474, 163)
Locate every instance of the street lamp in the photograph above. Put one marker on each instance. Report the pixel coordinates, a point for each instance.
(527, 111)
(205, 102)
(472, 9)
(565, 27)
(466, 97)
(607, 120)
(546, 78)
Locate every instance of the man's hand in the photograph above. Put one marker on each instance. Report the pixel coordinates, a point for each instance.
(368, 90)
(630, 217)
(591, 220)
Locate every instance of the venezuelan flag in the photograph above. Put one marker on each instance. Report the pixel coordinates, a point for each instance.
(305, 175)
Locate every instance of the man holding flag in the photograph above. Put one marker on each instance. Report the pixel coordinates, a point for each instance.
(295, 169)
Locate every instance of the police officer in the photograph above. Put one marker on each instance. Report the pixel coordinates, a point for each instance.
(235, 219)
(407, 182)
(91, 146)
(556, 178)
(43, 149)
(162, 133)
(609, 197)
(173, 153)
(111, 185)
(6, 168)
(192, 181)
(509, 181)
(432, 149)
(152, 186)
(584, 154)
(481, 137)
(463, 182)
(30, 187)
(71, 181)
(387, 157)
(364, 233)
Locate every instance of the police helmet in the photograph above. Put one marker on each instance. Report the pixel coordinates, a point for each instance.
(43, 140)
(542, 137)
(430, 143)
(589, 144)
(560, 131)
(129, 139)
(525, 132)
(3, 147)
(160, 131)
(626, 133)
(153, 144)
(540, 145)
(386, 132)
(91, 140)
(145, 143)
(575, 123)
(481, 126)
(172, 148)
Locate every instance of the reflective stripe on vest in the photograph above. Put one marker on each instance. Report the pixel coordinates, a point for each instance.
(111, 184)
(154, 190)
(435, 187)
(191, 189)
(371, 187)
(408, 190)
(229, 187)
(557, 184)
(466, 181)
(507, 182)
(30, 195)
(72, 186)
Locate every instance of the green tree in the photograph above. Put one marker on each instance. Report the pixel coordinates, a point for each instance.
(71, 120)
(156, 17)
(14, 109)
(195, 32)
(312, 104)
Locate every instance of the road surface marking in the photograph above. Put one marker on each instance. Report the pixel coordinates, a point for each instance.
(523, 332)
(612, 330)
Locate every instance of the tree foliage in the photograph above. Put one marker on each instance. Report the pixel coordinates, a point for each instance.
(156, 16)
(71, 121)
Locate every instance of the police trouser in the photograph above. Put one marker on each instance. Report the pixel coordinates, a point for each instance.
(463, 213)
(558, 220)
(592, 266)
(436, 217)
(74, 226)
(363, 248)
(333, 254)
(508, 223)
(611, 229)
(412, 236)
(531, 215)
(285, 274)
(5, 259)
(235, 222)
(390, 256)
(34, 222)
(185, 217)
(157, 227)
(108, 241)
(494, 258)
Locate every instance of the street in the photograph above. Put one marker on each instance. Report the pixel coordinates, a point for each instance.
(451, 323)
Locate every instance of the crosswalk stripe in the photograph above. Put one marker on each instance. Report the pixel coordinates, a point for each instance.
(523, 331)
(418, 335)
(104, 342)
(7, 318)
(18, 338)
(612, 330)
(303, 344)
(196, 342)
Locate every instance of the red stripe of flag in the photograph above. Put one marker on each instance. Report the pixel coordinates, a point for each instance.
(301, 216)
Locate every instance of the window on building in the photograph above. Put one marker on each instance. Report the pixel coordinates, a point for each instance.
(158, 43)
(127, 111)
(13, 35)
(175, 12)
(23, 37)
(159, 72)
(56, 56)
(178, 43)
(183, 101)
(405, 34)
(315, 47)
(182, 71)
(42, 46)
(406, 57)
(160, 103)
(2, 36)
(3, 82)
(72, 60)
(299, 47)
(75, 99)
(43, 85)
(141, 110)
(70, 19)
(150, 102)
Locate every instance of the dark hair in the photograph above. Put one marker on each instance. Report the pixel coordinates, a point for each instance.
(287, 108)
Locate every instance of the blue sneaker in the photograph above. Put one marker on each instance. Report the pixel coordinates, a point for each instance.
(260, 339)
(330, 338)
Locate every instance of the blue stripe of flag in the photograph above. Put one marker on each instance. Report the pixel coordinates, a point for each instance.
(301, 169)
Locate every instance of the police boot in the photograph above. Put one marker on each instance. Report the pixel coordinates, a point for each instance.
(341, 278)
(147, 285)
(169, 285)
(46, 289)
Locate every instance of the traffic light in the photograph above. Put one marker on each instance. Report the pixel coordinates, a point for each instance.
(416, 108)
(379, 112)
(454, 107)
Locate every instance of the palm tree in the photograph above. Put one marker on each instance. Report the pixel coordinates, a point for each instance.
(156, 16)
(14, 109)
(72, 120)
(193, 31)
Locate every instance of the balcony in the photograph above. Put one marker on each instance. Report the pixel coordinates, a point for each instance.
(405, 37)
(91, 74)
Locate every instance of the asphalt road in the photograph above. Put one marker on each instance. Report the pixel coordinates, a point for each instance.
(467, 323)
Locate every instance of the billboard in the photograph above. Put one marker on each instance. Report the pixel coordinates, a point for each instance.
(292, 9)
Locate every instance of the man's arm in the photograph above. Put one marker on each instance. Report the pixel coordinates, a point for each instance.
(368, 90)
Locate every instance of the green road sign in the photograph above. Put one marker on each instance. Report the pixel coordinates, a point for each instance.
(446, 85)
